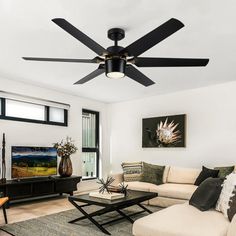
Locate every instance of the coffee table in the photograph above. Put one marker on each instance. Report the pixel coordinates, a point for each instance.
(132, 198)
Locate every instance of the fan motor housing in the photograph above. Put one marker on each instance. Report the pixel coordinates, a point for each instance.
(115, 65)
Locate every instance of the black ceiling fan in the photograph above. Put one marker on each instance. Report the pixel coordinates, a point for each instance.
(117, 61)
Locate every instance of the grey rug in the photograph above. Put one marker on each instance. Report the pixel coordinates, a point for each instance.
(56, 224)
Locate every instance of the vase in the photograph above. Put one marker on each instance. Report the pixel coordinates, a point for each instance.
(65, 167)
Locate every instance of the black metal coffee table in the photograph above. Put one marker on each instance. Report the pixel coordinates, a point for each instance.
(132, 198)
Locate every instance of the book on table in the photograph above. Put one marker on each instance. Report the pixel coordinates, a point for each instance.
(109, 196)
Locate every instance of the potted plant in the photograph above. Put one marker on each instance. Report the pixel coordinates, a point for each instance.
(64, 150)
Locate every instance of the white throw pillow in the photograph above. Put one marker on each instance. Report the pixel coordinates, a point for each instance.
(226, 193)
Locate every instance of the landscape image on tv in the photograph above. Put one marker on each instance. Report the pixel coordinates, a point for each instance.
(33, 161)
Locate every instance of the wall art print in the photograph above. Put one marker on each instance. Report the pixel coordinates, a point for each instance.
(165, 131)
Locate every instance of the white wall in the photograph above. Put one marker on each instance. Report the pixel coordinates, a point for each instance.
(21, 133)
(211, 128)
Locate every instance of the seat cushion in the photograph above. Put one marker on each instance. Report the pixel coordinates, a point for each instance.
(140, 186)
(179, 191)
(182, 220)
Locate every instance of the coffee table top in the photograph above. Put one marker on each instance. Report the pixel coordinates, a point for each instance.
(133, 197)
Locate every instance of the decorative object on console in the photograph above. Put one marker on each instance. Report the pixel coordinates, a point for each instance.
(224, 171)
(206, 173)
(206, 195)
(166, 131)
(227, 200)
(132, 171)
(3, 178)
(64, 150)
(152, 173)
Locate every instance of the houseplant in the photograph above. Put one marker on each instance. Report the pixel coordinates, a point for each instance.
(64, 150)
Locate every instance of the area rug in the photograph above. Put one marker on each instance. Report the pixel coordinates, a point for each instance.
(56, 224)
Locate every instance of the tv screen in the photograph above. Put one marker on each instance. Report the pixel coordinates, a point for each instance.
(33, 161)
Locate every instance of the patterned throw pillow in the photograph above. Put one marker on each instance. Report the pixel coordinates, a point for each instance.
(226, 202)
(232, 206)
(224, 171)
(152, 173)
(132, 171)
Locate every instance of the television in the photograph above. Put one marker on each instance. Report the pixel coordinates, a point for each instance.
(33, 161)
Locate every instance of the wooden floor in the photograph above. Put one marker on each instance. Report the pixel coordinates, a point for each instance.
(33, 209)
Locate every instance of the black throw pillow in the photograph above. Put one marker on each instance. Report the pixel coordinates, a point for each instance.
(206, 195)
(206, 173)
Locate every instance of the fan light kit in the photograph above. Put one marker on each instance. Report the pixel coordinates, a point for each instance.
(116, 61)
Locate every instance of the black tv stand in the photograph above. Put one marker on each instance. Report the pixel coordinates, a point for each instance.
(22, 189)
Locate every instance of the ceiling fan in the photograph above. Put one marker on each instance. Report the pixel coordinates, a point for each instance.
(117, 61)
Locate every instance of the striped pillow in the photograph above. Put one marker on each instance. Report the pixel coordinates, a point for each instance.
(132, 171)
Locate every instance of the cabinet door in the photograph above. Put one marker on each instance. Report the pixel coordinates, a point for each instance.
(66, 185)
(16, 191)
(42, 188)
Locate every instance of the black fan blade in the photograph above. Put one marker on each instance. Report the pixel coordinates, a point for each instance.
(152, 38)
(92, 75)
(76, 33)
(138, 76)
(169, 62)
(94, 60)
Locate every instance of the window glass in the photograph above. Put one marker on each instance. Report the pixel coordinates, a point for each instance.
(89, 130)
(24, 110)
(56, 114)
(89, 167)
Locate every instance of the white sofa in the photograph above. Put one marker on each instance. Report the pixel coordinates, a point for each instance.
(184, 220)
(178, 186)
(181, 219)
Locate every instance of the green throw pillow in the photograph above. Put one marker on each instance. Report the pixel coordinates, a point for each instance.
(224, 171)
(152, 173)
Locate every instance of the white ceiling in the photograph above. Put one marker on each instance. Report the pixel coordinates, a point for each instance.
(27, 30)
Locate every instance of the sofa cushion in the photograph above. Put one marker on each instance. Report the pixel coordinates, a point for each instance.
(182, 175)
(182, 220)
(206, 173)
(140, 186)
(165, 201)
(165, 174)
(206, 195)
(132, 171)
(225, 202)
(179, 191)
(152, 173)
(224, 171)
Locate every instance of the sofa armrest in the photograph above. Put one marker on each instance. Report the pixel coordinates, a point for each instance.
(119, 178)
(232, 227)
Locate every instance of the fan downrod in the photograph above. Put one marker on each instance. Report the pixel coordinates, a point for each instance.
(116, 34)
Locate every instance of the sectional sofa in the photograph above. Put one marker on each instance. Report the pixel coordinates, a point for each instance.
(178, 219)
(178, 186)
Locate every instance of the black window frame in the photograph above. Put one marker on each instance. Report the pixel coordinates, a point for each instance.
(3, 115)
(97, 142)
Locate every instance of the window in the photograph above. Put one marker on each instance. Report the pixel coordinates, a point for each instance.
(24, 110)
(56, 115)
(90, 144)
(17, 110)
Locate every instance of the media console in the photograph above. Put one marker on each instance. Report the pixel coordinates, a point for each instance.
(36, 187)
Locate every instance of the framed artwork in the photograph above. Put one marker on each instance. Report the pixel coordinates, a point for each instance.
(164, 132)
